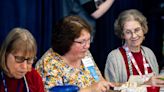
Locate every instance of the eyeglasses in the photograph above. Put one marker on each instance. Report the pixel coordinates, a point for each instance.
(21, 59)
(130, 32)
(83, 42)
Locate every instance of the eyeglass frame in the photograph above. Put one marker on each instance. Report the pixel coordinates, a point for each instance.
(136, 31)
(21, 59)
(83, 42)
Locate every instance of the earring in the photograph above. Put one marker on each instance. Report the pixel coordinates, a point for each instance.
(123, 41)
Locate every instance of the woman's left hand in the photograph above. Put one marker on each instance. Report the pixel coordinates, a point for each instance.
(156, 81)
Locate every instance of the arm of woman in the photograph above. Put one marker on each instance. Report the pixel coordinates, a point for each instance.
(48, 71)
(96, 12)
(101, 86)
(102, 9)
(111, 72)
(156, 81)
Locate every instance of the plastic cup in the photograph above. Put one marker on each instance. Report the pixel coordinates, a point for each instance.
(153, 89)
(65, 88)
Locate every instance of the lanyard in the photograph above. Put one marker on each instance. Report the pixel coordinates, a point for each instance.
(17, 90)
(4, 82)
(131, 59)
(89, 64)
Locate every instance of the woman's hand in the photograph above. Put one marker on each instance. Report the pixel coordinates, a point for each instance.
(101, 86)
(156, 81)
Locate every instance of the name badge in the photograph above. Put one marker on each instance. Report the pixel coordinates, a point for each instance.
(89, 64)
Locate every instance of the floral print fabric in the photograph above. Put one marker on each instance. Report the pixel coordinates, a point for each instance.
(56, 72)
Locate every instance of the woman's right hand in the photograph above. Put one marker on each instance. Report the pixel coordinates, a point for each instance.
(101, 86)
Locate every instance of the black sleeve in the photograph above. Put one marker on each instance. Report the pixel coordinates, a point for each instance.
(89, 6)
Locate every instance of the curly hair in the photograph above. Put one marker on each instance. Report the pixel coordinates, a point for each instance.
(128, 15)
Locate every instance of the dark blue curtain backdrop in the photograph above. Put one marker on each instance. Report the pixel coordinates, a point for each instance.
(35, 15)
(39, 16)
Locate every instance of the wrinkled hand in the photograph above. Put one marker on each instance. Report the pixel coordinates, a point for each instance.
(102, 86)
(156, 81)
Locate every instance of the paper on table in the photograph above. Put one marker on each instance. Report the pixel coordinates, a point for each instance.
(138, 79)
(131, 87)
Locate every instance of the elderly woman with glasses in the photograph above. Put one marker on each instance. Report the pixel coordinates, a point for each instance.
(69, 61)
(17, 54)
(132, 61)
